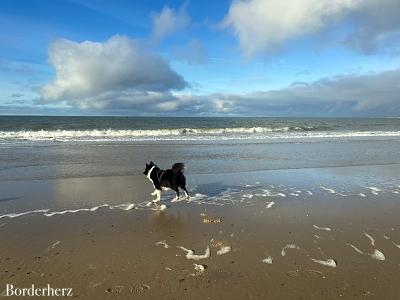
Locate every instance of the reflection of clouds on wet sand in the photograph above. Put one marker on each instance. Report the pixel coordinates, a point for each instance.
(88, 192)
(161, 223)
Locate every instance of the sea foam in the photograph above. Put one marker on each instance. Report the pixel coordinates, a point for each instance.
(96, 135)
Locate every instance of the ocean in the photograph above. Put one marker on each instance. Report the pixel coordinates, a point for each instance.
(38, 147)
(29, 129)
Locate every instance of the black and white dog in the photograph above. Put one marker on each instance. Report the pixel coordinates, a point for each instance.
(166, 179)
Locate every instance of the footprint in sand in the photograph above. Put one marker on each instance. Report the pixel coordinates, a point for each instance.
(139, 289)
(117, 289)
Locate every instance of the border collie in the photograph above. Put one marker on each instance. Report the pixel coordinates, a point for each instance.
(166, 179)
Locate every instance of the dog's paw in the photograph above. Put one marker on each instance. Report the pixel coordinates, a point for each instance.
(176, 199)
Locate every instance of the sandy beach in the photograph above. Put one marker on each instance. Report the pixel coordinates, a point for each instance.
(285, 234)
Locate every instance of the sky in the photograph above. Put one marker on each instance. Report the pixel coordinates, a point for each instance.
(278, 58)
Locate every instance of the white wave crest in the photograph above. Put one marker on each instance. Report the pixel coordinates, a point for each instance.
(184, 134)
(128, 133)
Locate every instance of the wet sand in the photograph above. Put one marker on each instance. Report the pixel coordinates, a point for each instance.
(293, 234)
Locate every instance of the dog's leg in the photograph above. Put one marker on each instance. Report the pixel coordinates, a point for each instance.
(177, 195)
(186, 192)
(158, 193)
(154, 193)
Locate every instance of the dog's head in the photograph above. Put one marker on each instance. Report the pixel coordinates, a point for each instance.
(148, 168)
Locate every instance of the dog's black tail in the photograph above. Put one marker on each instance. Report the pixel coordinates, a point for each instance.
(178, 167)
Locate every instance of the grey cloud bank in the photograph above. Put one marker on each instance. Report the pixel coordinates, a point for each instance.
(346, 95)
(375, 94)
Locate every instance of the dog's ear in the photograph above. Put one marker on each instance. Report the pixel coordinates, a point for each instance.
(151, 163)
(147, 165)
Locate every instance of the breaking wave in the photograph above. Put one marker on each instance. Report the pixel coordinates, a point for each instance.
(185, 134)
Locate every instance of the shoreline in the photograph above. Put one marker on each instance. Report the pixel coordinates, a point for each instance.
(112, 191)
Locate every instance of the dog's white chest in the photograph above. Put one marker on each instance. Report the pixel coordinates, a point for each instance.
(149, 174)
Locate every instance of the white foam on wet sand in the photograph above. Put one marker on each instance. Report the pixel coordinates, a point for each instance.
(377, 254)
(289, 246)
(268, 260)
(197, 197)
(199, 269)
(125, 206)
(270, 204)
(160, 207)
(328, 262)
(72, 211)
(48, 213)
(372, 240)
(68, 211)
(373, 190)
(355, 248)
(268, 193)
(330, 191)
(15, 215)
(52, 246)
(190, 253)
(248, 196)
(163, 243)
(224, 250)
(397, 245)
(322, 228)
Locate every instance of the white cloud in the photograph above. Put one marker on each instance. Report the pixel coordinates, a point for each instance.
(262, 26)
(120, 67)
(168, 21)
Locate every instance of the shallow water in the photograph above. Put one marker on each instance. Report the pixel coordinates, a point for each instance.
(86, 160)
